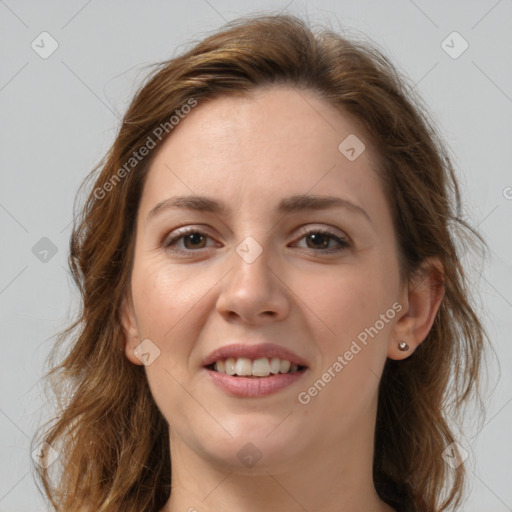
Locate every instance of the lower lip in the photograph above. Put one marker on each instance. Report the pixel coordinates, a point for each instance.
(254, 386)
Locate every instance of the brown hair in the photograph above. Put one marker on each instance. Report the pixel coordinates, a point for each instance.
(109, 461)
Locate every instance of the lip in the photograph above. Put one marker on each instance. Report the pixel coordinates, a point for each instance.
(253, 352)
(254, 386)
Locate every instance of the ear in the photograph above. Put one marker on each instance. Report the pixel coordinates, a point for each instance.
(421, 298)
(130, 329)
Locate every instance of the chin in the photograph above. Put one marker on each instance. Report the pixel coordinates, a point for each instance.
(257, 445)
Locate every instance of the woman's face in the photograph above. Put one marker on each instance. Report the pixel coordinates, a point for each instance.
(255, 270)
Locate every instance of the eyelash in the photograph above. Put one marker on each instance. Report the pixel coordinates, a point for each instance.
(169, 243)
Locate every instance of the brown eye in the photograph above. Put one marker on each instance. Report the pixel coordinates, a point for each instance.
(193, 239)
(319, 240)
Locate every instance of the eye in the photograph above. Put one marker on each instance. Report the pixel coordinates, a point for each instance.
(321, 238)
(194, 240)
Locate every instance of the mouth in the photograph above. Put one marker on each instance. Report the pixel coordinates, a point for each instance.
(246, 370)
(263, 367)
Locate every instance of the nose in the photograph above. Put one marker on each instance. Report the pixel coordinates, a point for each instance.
(253, 291)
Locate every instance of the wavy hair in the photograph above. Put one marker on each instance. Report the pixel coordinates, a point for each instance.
(111, 438)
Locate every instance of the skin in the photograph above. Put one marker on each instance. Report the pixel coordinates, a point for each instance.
(250, 152)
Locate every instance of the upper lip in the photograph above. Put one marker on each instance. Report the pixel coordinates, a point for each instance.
(252, 352)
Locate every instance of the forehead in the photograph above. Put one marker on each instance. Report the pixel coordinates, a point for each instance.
(255, 149)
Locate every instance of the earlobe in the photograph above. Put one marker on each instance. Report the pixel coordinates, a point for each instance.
(130, 329)
(424, 295)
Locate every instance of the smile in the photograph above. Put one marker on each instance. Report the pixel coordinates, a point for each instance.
(242, 377)
(261, 367)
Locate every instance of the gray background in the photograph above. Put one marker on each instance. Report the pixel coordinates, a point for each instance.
(60, 115)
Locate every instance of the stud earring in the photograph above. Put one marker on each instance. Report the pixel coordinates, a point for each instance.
(403, 346)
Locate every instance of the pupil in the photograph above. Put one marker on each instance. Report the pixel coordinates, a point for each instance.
(195, 238)
(319, 237)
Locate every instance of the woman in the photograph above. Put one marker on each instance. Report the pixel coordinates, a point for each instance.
(273, 304)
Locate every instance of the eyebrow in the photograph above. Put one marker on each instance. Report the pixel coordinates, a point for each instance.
(291, 204)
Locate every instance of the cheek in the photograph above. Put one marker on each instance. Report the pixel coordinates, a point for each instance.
(163, 295)
(357, 306)
(344, 388)
(164, 301)
(356, 299)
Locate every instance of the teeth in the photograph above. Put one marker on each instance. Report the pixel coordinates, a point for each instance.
(243, 366)
(284, 366)
(229, 366)
(275, 365)
(262, 367)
